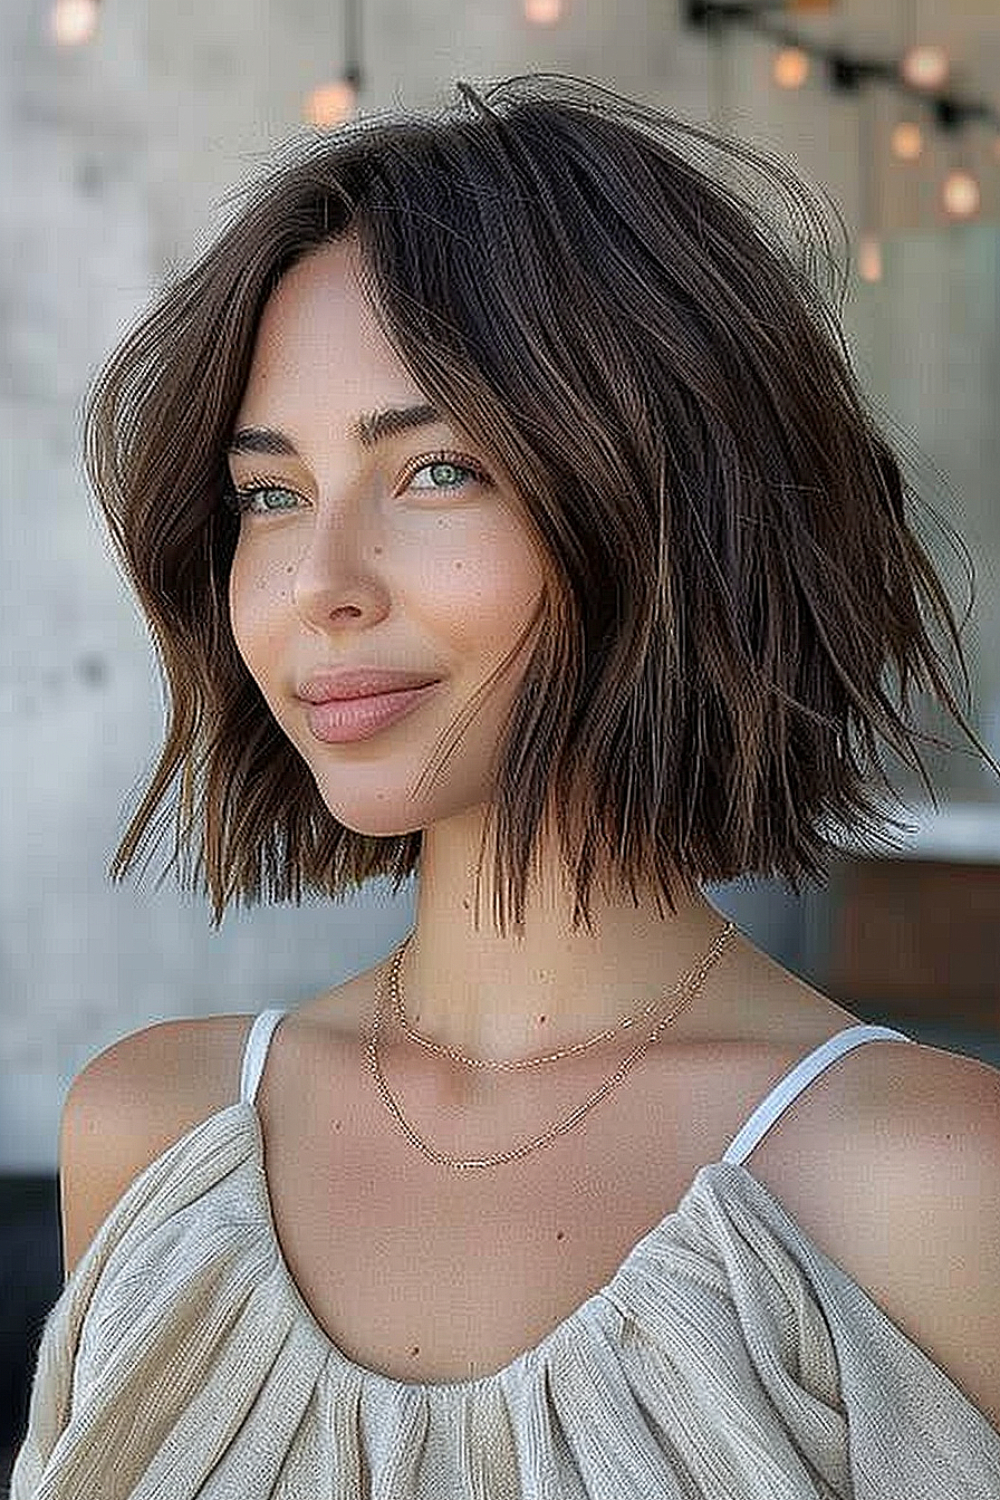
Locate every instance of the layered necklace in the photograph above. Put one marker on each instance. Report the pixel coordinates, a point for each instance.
(682, 993)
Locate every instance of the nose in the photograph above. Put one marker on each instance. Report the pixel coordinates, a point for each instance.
(337, 580)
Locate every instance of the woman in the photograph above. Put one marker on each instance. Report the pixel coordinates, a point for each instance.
(504, 509)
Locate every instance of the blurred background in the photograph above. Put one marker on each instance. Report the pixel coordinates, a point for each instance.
(127, 125)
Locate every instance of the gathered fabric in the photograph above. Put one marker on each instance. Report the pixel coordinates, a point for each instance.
(727, 1359)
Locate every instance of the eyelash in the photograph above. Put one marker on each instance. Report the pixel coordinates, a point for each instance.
(239, 500)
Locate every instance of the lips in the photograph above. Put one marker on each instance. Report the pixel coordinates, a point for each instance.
(340, 721)
(358, 682)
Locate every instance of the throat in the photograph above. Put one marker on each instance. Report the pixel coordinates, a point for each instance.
(510, 1007)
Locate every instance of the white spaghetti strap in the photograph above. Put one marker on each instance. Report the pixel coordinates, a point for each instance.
(799, 1078)
(255, 1052)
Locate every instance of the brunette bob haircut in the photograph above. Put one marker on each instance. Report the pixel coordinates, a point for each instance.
(734, 587)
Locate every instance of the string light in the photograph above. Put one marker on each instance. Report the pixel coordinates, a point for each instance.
(543, 12)
(925, 66)
(870, 258)
(331, 103)
(73, 22)
(920, 68)
(869, 187)
(907, 140)
(790, 68)
(960, 194)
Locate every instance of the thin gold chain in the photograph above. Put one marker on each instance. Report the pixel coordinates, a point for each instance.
(688, 988)
(693, 976)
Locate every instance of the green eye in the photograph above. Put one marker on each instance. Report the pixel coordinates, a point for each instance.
(263, 500)
(444, 475)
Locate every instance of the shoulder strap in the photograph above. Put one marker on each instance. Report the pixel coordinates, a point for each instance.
(787, 1089)
(255, 1051)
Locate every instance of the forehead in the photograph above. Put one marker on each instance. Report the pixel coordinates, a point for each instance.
(319, 334)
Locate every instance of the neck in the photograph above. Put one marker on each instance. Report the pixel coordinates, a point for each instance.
(545, 987)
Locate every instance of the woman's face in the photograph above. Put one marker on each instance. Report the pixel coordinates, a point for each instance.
(372, 542)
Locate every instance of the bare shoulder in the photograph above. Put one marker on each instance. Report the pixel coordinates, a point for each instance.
(130, 1103)
(890, 1162)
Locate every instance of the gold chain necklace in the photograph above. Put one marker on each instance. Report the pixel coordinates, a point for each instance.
(685, 989)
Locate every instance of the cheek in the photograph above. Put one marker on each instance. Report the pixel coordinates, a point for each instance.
(255, 588)
(237, 604)
(517, 584)
(499, 572)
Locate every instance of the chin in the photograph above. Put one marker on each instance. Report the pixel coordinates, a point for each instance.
(379, 822)
(381, 817)
(379, 828)
(391, 814)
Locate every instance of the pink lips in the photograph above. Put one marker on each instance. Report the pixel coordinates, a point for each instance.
(358, 682)
(355, 704)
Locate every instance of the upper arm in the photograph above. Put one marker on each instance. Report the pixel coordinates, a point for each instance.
(946, 1282)
(127, 1106)
(893, 1169)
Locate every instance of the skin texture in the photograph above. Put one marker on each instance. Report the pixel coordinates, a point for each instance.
(355, 556)
(362, 566)
(372, 557)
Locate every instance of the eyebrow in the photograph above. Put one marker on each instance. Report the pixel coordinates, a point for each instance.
(369, 429)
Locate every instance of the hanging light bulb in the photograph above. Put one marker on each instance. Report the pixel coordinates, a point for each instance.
(335, 102)
(73, 22)
(790, 68)
(925, 65)
(870, 258)
(543, 12)
(960, 194)
(907, 140)
(331, 103)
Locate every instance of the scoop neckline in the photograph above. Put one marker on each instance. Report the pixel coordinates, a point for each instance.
(599, 1306)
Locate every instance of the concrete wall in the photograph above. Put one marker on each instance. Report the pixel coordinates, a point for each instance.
(115, 162)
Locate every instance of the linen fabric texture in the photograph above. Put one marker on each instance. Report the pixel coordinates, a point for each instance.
(727, 1359)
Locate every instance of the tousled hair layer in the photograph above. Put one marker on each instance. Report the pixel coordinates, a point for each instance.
(739, 610)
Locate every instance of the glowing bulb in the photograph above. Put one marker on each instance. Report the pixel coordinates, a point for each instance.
(907, 140)
(790, 68)
(543, 12)
(73, 22)
(331, 104)
(925, 66)
(960, 195)
(870, 258)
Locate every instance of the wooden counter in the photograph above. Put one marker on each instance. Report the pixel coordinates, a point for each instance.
(916, 932)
